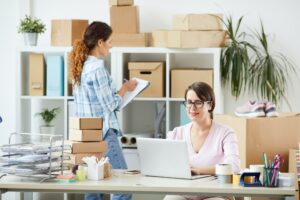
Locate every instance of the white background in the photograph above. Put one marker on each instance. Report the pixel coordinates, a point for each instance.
(279, 17)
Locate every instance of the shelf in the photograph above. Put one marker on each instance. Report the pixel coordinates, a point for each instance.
(149, 99)
(162, 50)
(43, 97)
(45, 49)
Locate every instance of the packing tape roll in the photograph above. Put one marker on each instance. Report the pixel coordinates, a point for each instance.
(236, 178)
(224, 169)
(223, 179)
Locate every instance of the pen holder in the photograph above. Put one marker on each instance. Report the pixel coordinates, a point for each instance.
(271, 177)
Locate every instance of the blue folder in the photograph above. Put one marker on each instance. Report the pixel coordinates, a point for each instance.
(184, 119)
(55, 76)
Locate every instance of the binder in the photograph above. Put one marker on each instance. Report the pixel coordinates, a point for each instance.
(55, 76)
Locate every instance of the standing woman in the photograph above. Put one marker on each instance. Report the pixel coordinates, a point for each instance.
(95, 94)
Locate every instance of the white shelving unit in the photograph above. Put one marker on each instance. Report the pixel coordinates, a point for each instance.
(130, 118)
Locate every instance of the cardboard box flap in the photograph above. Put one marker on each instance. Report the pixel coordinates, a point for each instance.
(144, 66)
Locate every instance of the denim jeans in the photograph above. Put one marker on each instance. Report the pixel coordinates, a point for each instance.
(116, 159)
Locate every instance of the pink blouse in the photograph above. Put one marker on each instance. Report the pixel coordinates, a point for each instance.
(220, 146)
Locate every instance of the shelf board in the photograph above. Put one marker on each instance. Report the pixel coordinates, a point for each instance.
(45, 49)
(149, 99)
(176, 99)
(43, 97)
(163, 50)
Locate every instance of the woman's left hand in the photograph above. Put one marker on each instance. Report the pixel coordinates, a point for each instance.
(195, 171)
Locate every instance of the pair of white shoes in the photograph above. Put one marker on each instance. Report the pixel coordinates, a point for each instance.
(257, 109)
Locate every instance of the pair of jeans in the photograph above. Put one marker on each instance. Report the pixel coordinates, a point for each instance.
(116, 159)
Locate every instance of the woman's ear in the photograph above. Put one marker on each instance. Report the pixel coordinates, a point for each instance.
(100, 42)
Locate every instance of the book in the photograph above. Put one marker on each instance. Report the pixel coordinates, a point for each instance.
(130, 95)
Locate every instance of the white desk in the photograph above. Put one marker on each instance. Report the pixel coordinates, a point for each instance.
(123, 183)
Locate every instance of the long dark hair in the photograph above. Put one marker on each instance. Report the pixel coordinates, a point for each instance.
(81, 48)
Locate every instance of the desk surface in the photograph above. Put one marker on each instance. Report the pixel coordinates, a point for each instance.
(126, 183)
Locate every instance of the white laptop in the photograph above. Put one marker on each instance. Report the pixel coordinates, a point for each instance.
(165, 158)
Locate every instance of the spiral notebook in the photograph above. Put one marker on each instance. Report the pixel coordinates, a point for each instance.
(129, 96)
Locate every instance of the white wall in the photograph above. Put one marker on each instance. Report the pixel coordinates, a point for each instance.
(279, 17)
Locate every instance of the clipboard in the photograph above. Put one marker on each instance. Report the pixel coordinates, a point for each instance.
(129, 96)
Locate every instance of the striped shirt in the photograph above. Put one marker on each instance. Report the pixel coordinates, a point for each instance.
(96, 96)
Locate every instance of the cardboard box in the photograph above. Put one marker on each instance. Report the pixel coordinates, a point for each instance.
(188, 39)
(76, 159)
(37, 74)
(65, 32)
(152, 72)
(87, 147)
(84, 123)
(180, 82)
(198, 22)
(130, 39)
(121, 2)
(85, 135)
(271, 135)
(124, 19)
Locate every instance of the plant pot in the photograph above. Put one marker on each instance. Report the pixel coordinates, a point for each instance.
(50, 130)
(30, 39)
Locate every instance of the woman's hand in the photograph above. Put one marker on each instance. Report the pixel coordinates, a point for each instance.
(203, 170)
(127, 86)
(195, 171)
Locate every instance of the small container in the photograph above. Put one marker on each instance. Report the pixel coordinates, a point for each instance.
(271, 177)
(81, 173)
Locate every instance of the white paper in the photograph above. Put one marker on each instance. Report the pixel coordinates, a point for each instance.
(129, 96)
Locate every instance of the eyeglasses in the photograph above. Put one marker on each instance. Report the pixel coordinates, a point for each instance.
(197, 104)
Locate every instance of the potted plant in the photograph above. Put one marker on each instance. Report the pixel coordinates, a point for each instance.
(48, 116)
(31, 27)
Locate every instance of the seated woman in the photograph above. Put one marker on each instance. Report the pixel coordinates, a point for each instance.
(209, 142)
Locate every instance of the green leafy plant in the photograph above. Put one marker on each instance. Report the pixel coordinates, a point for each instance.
(270, 71)
(31, 25)
(235, 61)
(48, 115)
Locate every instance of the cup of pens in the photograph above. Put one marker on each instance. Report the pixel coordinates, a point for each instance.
(271, 177)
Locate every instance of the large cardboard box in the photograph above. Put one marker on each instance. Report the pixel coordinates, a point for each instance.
(84, 123)
(36, 74)
(76, 159)
(271, 135)
(124, 19)
(152, 72)
(180, 82)
(85, 135)
(87, 147)
(121, 2)
(200, 22)
(188, 39)
(130, 39)
(65, 32)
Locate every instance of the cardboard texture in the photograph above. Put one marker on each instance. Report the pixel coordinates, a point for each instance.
(130, 39)
(76, 159)
(124, 19)
(65, 32)
(121, 2)
(180, 82)
(84, 123)
(87, 147)
(188, 39)
(200, 22)
(270, 135)
(85, 135)
(37, 74)
(152, 72)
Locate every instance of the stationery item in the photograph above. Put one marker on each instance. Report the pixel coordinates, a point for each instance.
(65, 178)
(286, 180)
(273, 175)
(129, 96)
(250, 179)
(55, 76)
(224, 173)
(258, 168)
(236, 179)
(97, 170)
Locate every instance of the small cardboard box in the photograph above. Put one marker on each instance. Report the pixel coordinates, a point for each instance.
(65, 32)
(37, 74)
(130, 39)
(84, 123)
(124, 19)
(85, 135)
(189, 39)
(271, 135)
(121, 2)
(198, 22)
(180, 82)
(76, 159)
(87, 147)
(152, 72)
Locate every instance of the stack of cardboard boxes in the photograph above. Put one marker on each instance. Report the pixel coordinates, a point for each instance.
(124, 19)
(192, 31)
(85, 138)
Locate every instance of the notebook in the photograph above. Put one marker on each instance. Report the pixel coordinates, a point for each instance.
(165, 158)
(129, 96)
